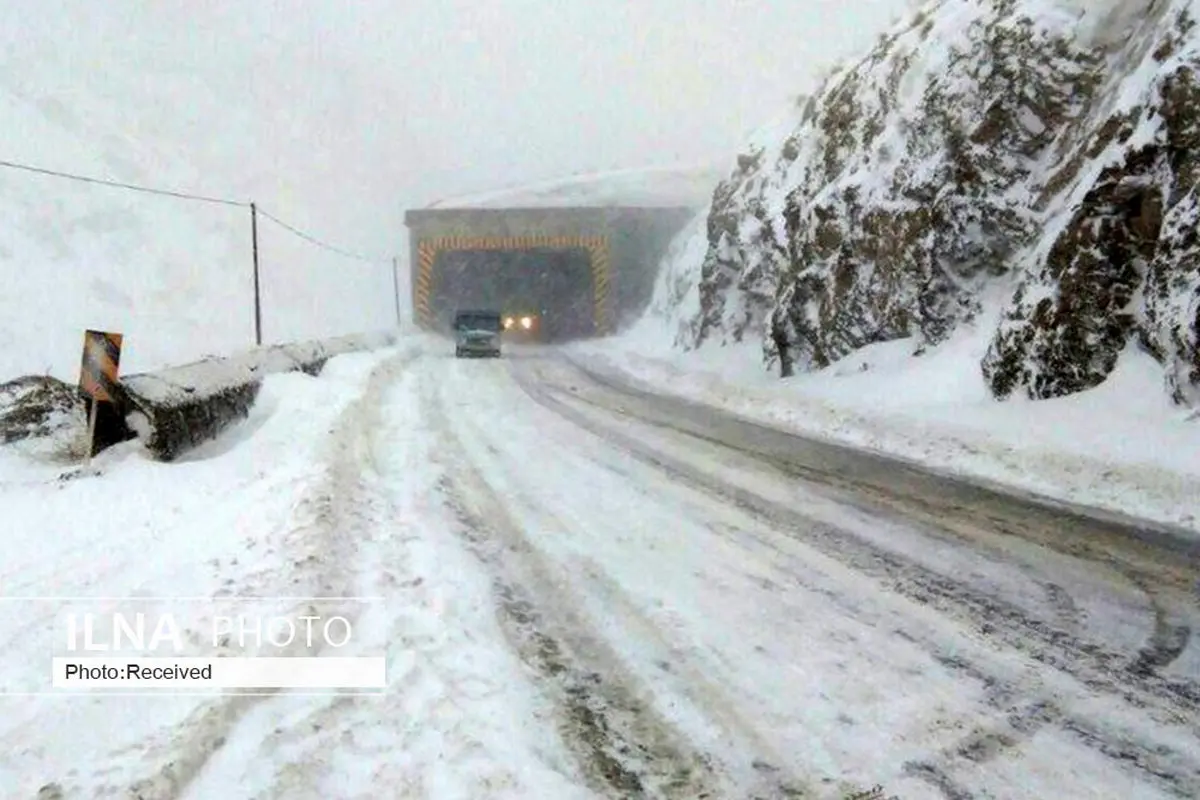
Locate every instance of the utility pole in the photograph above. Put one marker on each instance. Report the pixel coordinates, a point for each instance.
(257, 289)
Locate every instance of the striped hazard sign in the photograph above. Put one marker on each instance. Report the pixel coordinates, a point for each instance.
(101, 358)
(429, 249)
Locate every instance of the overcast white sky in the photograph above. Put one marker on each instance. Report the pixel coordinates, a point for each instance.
(415, 100)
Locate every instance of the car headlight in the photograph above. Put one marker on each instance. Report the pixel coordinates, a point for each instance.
(526, 322)
(508, 323)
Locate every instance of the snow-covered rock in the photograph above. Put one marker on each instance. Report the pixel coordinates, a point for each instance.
(43, 410)
(1120, 258)
(1041, 149)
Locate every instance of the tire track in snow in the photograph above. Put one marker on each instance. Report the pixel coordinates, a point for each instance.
(1104, 671)
(322, 552)
(1020, 707)
(625, 748)
(671, 665)
(1082, 653)
(934, 522)
(434, 733)
(1142, 556)
(771, 776)
(1171, 634)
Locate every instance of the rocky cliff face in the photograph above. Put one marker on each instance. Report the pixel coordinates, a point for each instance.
(1048, 147)
(1119, 260)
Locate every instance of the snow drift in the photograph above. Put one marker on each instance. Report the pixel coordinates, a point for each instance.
(178, 408)
(171, 410)
(1039, 150)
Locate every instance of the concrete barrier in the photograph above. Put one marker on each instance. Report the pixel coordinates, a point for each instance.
(173, 410)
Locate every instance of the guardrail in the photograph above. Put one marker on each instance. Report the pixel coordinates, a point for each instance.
(174, 409)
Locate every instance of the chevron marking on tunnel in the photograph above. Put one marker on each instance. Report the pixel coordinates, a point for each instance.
(596, 246)
(426, 255)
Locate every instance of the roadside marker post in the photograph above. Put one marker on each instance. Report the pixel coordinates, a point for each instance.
(98, 375)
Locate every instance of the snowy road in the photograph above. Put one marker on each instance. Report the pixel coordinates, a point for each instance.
(1062, 623)
(794, 598)
(598, 592)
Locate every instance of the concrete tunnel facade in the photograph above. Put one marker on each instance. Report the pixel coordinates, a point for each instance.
(586, 271)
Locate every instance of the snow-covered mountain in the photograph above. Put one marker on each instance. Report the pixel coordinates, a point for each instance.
(102, 95)
(1034, 159)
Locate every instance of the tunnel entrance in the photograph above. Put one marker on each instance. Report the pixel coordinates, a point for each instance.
(554, 284)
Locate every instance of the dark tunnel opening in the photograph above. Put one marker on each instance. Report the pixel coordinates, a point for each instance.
(553, 284)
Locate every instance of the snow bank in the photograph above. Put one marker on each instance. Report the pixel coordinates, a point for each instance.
(178, 408)
(333, 486)
(217, 524)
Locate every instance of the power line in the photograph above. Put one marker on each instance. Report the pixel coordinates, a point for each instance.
(200, 198)
(119, 185)
(254, 212)
(313, 240)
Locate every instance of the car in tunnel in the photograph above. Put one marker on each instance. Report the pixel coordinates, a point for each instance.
(522, 325)
(544, 295)
(477, 333)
